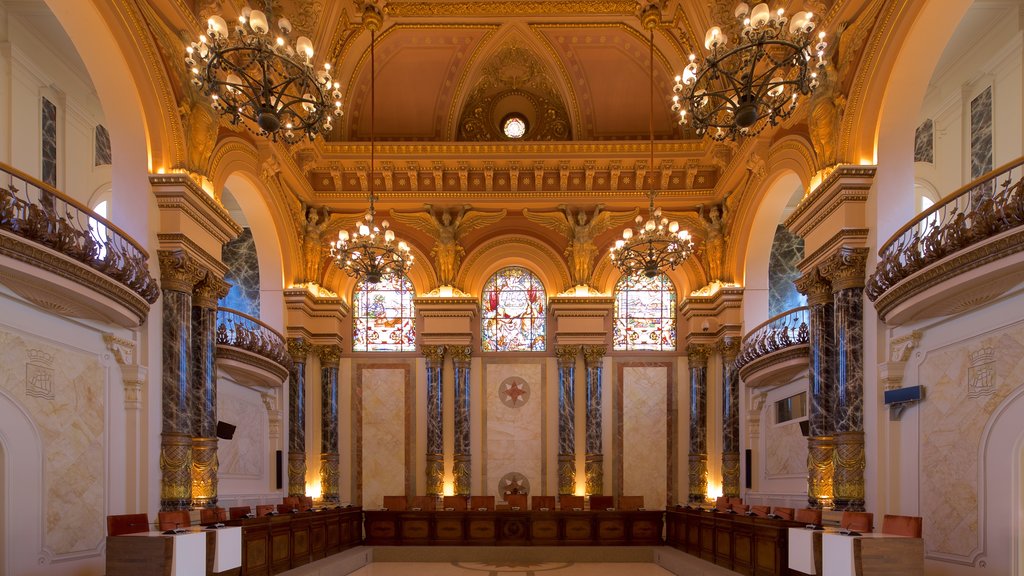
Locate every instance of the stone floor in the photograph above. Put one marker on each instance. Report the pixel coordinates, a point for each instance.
(509, 569)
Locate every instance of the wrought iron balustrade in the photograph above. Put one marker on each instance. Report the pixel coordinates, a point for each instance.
(980, 210)
(33, 210)
(776, 333)
(240, 330)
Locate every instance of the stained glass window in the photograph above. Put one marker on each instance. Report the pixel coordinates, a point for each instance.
(645, 313)
(514, 310)
(383, 319)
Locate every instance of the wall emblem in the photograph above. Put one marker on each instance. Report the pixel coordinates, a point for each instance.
(514, 392)
(981, 376)
(39, 374)
(513, 483)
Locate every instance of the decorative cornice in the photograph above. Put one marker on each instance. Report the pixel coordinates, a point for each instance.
(845, 237)
(299, 349)
(180, 192)
(593, 354)
(824, 200)
(122, 348)
(566, 354)
(329, 355)
(697, 355)
(749, 370)
(178, 241)
(845, 268)
(179, 271)
(511, 8)
(277, 373)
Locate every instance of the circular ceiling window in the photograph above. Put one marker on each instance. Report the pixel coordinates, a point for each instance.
(514, 126)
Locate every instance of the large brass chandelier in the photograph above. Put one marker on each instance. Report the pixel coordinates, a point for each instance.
(371, 252)
(739, 90)
(656, 244)
(261, 80)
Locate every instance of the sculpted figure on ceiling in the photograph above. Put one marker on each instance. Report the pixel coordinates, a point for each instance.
(581, 232)
(316, 226)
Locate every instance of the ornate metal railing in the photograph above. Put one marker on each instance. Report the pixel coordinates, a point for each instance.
(38, 212)
(240, 330)
(984, 208)
(776, 333)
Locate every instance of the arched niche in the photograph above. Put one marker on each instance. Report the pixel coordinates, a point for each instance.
(503, 251)
(1001, 453)
(22, 450)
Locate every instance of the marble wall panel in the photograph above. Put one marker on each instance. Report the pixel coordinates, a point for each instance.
(244, 456)
(103, 155)
(787, 252)
(924, 142)
(965, 383)
(514, 424)
(645, 433)
(243, 274)
(48, 136)
(63, 391)
(384, 448)
(981, 133)
(785, 447)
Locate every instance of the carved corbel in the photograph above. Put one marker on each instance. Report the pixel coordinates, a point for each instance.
(614, 169)
(463, 176)
(133, 376)
(588, 172)
(387, 172)
(513, 176)
(754, 414)
(438, 171)
(489, 176)
(273, 414)
(538, 176)
(641, 174)
(890, 373)
(563, 175)
(666, 173)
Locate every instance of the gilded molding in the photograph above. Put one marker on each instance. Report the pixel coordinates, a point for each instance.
(179, 271)
(329, 476)
(845, 269)
(731, 474)
(278, 372)
(817, 288)
(469, 263)
(329, 355)
(175, 471)
(435, 474)
(460, 354)
(180, 192)
(848, 465)
(209, 290)
(698, 477)
(512, 8)
(433, 353)
(820, 470)
(299, 349)
(566, 354)
(595, 473)
(697, 355)
(593, 354)
(296, 473)
(729, 347)
(204, 472)
(461, 471)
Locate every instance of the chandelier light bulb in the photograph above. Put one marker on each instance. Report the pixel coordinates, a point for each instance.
(627, 233)
(304, 46)
(284, 25)
(673, 226)
(760, 15)
(742, 9)
(389, 235)
(364, 229)
(258, 22)
(343, 236)
(217, 27)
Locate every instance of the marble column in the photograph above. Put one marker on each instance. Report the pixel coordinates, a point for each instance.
(697, 357)
(204, 389)
(729, 347)
(435, 419)
(329, 357)
(820, 440)
(593, 358)
(179, 273)
(566, 417)
(845, 270)
(299, 349)
(462, 468)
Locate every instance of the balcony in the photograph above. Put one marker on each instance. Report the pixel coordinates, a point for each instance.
(776, 350)
(959, 254)
(253, 353)
(63, 257)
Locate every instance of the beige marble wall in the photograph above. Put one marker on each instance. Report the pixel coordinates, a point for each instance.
(645, 433)
(785, 447)
(513, 431)
(965, 383)
(383, 434)
(63, 392)
(245, 455)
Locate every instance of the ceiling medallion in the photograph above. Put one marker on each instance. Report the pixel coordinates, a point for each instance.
(514, 126)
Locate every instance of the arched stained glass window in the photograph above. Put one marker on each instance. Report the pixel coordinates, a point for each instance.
(383, 319)
(645, 313)
(514, 308)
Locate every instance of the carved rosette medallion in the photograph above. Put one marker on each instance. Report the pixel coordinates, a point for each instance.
(296, 474)
(204, 472)
(820, 469)
(848, 479)
(176, 471)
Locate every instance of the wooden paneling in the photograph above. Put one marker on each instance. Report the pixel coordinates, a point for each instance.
(745, 544)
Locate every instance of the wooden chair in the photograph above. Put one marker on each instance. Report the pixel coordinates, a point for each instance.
(783, 513)
(599, 502)
(809, 516)
(424, 503)
(722, 504)
(456, 503)
(740, 508)
(395, 503)
(291, 502)
(173, 520)
(631, 502)
(284, 508)
(909, 526)
(539, 502)
(761, 511)
(120, 524)
(212, 515)
(516, 501)
(305, 502)
(264, 509)
(857, 521)
(236, 512)
(568, 502)
(478, 502)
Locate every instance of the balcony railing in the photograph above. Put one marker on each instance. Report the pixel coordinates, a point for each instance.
(240, 330)
(777, 333)
(42, 214)
(980, 210)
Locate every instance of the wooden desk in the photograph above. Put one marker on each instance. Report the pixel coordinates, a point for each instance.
(745, 544)
(872, 554)
(157, 554)
(274, 544)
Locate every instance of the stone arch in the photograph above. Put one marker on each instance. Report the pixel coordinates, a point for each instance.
(1001, 447)
(504, 251)
(22, 449)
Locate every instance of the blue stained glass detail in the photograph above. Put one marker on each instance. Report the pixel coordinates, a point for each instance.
(645, 313)
(383, 319)
(514, 311)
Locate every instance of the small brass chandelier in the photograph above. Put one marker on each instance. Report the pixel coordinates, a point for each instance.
(740, 90)
(262, 81)
(371, 252)
(656, 244)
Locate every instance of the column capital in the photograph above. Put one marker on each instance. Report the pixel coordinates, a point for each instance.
(299, 348)
(329, 354)
(209, 290)
(729, 346)
(178, 270)
(845, 268)
(817, 288)
(594, 353)
(433, 353)
(566, 354)
(460, 354)
(697, 355)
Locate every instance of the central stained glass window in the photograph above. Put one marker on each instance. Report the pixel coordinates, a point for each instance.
(383, 319)
(514, 308)
(645, 313)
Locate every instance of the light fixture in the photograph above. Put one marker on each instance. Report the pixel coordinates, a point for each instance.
(656, 244)
(371, 252)
(739, 90)
(258, 78)
(514, 126)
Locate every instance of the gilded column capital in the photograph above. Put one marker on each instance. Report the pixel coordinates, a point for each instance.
(209, 290)
(179, 271)
(566, 354)
(813, 285)
(594, 353)
(329, 354)
(729, 346)
(845, 268)
(433, 353)
(299, 348)
(460, 354)
(697, 355)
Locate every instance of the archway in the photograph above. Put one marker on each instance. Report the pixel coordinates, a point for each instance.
(21, 474)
